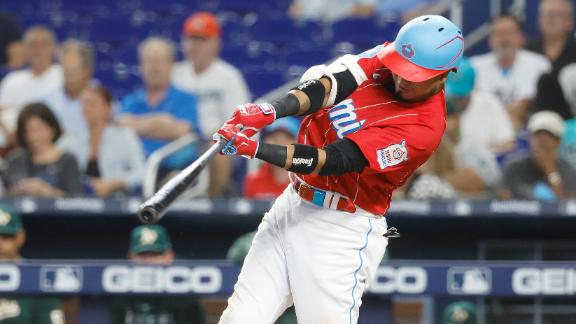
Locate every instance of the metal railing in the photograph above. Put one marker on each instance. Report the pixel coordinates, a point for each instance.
(155, 159)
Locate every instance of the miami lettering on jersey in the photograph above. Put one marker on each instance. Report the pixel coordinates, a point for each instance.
(344, 119)
(391, 155)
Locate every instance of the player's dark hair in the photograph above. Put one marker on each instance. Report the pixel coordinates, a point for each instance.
(103, 92)
(42, 112)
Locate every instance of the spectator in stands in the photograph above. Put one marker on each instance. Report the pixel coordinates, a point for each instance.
(270, 181)
(110, 157)
(542, 174)
(483, 120)
(11, 47)
(428, 182)
(22, 310)
(40, 168)
(556, 24)
(77, 61)
(476, 172)
(331, 10)
(457, 168)
(219, 86)
(567, 79)
(160, 113)
(510, 72)
(150, 245)
(22, 87)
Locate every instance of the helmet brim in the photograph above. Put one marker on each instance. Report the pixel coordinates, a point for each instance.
(407, 70)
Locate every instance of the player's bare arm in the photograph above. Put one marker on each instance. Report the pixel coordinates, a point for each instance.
(160, 126)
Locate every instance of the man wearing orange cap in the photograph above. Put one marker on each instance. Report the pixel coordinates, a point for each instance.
(219, 86)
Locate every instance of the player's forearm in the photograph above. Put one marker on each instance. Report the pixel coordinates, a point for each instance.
(286, 157)
(340, 157)
(169, 131)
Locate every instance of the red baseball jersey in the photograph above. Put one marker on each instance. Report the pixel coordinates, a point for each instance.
(395, 137)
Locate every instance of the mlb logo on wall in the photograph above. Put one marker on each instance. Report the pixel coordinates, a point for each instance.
(392, 155)
(61, 278)
(469, 281)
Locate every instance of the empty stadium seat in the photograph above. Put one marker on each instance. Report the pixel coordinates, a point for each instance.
(285, 30)
(121, 80)
(364, 32)
(307, 56)
(254, 53)
(116, 28)
(243, 6)
(260, 81)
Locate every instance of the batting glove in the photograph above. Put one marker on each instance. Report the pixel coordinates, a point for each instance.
(236, 142)
(252, 117)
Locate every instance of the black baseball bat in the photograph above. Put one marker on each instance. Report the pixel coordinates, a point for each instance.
(155, 207)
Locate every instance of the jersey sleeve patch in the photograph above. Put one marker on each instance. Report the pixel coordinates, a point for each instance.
(392, 155)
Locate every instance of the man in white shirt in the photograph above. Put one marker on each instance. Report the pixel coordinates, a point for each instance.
(483, 120)
(77, 60)
(510, 72)
(219, 86)
(22, 87)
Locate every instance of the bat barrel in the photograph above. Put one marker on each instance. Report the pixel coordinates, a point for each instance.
(154, 208)
(148, 214)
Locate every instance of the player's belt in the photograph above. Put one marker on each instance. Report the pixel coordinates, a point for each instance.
(322, 198)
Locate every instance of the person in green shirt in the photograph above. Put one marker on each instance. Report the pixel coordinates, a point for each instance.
(17, 309)
(150, 245)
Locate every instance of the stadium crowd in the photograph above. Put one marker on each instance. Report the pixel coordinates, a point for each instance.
(510, 130)
(511, 125)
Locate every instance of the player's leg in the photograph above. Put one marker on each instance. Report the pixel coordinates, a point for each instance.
(262, 291)
(332, 258)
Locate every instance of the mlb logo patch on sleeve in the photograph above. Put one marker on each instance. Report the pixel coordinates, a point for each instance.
(392, 155)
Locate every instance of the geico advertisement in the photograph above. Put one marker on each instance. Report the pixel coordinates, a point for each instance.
(176, 279)
(547, 281)
(403, 280)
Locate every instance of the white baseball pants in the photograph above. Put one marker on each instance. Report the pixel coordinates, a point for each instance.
(321, 260)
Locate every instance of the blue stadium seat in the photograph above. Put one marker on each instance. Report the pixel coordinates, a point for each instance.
(285, 30)
(364, 32)
(307, 56)
(261, 81)
(253, 54)
(234, 31)
(243, 6)
(120, 81)
(118, 28)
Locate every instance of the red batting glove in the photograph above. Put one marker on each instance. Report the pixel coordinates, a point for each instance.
(236, 142)
(252, 117)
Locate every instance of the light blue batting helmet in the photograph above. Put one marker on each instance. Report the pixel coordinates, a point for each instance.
(425, 47)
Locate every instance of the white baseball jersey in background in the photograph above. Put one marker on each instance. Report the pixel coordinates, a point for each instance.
(219, 89)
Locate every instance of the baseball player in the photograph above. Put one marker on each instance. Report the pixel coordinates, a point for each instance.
(371, 120)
